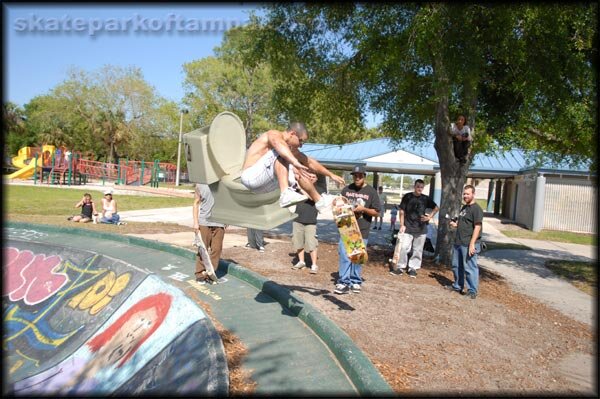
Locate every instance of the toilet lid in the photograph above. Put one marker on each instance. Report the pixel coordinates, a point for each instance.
(227, 142)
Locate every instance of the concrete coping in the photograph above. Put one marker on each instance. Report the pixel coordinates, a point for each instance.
(361, 371)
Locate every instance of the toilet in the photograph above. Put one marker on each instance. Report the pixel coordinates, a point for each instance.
(215, 155)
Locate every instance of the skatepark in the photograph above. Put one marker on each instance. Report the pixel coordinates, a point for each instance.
(292, 347)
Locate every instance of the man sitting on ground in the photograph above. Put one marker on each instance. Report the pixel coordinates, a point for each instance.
(274, 161)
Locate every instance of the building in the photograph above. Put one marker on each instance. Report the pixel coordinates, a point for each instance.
(552, 197)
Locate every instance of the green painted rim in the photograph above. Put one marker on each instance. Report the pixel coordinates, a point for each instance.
(363, 374)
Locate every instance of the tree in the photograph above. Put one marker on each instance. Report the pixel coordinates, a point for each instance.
(524, 74)
(14, 129)
(232, 80)
(240, 78)
(112, 112)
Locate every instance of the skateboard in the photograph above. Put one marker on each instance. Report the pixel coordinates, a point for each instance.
(208, 266)
(397, 250)
(344, 218)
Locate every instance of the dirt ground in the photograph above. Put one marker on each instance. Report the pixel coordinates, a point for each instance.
(426, 340)
(422, 338)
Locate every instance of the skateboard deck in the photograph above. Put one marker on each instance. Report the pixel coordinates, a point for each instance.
(344, 218)
(397, 250)
(208, 266)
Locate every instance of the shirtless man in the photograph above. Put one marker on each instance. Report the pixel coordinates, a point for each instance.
(274, 161)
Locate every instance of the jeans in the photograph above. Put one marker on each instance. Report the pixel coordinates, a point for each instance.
(349, 273)
(114, 219)
(255, 238)
(465, 265)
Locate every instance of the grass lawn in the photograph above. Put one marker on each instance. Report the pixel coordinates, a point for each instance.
(45, 201)
(551, 235)
(581, 274)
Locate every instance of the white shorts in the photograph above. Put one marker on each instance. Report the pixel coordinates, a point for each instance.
(260, 177)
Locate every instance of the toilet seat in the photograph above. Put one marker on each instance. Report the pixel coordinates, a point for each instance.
(227, 142)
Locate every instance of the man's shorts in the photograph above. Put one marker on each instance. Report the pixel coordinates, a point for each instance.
(260, 178)
(304, 236)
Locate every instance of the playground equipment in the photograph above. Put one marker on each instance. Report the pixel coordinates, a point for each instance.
(59, 166)
(215, 155)
(25, 161)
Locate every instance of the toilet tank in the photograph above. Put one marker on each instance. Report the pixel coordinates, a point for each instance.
(217, 150)
(200, 168)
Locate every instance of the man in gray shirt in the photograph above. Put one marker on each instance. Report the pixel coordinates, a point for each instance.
(212, 233)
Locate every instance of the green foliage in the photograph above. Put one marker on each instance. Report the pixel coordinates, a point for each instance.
(112, 112)
(14, 129)
(235, 80)
(525, 74)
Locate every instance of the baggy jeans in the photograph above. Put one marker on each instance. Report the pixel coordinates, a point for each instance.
(349, 273)
(465, 265)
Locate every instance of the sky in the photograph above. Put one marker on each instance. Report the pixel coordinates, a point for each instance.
(42, 42)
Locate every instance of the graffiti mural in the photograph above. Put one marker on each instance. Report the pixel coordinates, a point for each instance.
(53, 299)
(79, 322)
(142, 327)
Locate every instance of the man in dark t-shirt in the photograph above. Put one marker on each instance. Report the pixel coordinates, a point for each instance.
(416, 210)
(467, 244)
(366, 204)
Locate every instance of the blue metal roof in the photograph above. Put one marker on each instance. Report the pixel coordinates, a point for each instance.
(502, 163)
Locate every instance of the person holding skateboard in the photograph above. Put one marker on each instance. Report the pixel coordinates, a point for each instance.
(416, 210)
(366, 204)
(274, 161)
(211, 233)
(467, 244)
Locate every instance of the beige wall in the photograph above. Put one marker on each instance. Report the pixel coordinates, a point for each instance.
(571, 204)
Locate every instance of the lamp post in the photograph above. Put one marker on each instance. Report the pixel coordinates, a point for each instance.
(183, 111)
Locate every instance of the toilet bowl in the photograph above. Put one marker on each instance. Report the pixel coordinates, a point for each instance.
(215, 155)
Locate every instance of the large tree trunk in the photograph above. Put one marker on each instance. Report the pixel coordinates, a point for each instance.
(453, 173)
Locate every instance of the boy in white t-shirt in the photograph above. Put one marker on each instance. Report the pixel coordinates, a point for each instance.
(461, 138)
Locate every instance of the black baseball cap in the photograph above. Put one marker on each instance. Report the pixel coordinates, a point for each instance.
(358, 169)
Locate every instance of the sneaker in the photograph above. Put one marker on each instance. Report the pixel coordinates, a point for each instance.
(261, 249)
(341, 289)
(397, 272)
(379, 228)
(247, 245)
(222, 280)
(412, 273)
(299, 265)
(375, 228)
(314, 269)
(290, 197)
(472, 295)
(356, 288)
(325, 202)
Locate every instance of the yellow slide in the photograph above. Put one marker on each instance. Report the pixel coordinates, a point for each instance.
(24, 160)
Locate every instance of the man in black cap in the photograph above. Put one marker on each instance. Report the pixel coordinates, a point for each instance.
(365, 200)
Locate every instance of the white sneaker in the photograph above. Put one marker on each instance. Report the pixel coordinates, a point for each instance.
(314, 269)
(341, 288)
(325, 202)
(291, 197)
(356, 288)
(299, 265)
